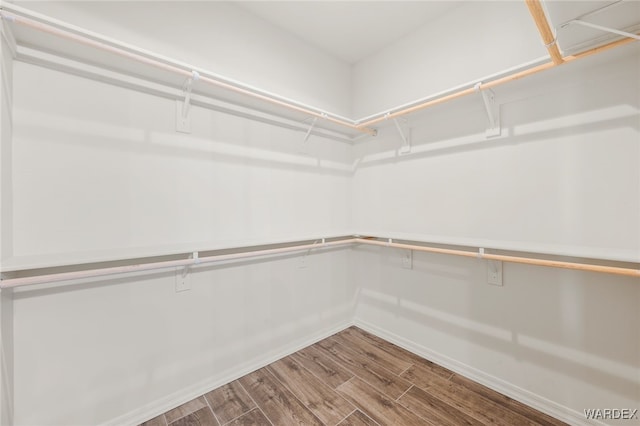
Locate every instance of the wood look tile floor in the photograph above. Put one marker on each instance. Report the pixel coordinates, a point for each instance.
(352, 378)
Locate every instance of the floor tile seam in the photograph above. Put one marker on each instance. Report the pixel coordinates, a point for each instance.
(188, 414)
(450, 407)
(444, 402)
(268, 368)
(368, 416)
(396, 404)
(243, 414)
(291, 392)
(401, 358)
(405, 370)
(404, 393)
(387, 370)
(319, 378)
(347, 416)
(339, 362)
(410, 359)
(472, 412)
(485, 400)
(255, 403)
(211, 408)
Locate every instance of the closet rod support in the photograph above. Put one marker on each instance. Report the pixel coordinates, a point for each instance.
(183, 124)
(405, 134)
(188, 87)
(310, 129)
(492, 109)
(602, 28)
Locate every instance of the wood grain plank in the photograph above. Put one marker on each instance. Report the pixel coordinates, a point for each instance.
(202, 417)
(254, 417)
(277, 403)
(357, 418)
(377, 376)
(323, 367)
(229, 401)
(376, 405)
(434, 410)
(321, 399)
(156, 421)
(399, 352)
(186, 409)
(512, 404)
(424, 377)
(463, 399)
(393, 363)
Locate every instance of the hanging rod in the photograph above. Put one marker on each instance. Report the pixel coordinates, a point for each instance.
(49, 29)
(363, 126)
(548, 37)
(191, 262)
(594, 12)
(493, 83)
(195, 261)
(512, 259)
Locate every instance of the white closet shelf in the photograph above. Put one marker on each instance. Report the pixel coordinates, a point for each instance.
(35, 32)
(47, 41)
(73, 272)
(85, 257)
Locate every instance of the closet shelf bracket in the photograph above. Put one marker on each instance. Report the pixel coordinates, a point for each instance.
(492, 108)
(601, 28)
(183, 123)
(310, 129)
(402, 125)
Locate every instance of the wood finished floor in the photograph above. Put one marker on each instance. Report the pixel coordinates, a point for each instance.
(352, 378)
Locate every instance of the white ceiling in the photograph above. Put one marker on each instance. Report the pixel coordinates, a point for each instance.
(349, 30)
(353, 30)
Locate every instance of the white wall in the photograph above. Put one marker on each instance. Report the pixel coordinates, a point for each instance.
(564, 178)
(109, 177)
(562, 341)
(465, 44)
(134, 347)
(99, 172)
(6, 224)
(219, 37)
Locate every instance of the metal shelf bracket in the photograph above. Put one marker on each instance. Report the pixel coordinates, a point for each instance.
(402, 125)
(492, 108)
(601, 28)
(183, 123)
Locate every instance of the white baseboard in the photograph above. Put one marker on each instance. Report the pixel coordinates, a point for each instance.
(165, 404)
(533, 400)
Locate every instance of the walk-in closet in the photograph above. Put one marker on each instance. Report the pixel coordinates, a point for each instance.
(325, 213)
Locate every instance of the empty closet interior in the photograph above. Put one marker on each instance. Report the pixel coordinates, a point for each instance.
(193, 190)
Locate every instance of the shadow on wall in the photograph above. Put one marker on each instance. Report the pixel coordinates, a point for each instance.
(257, 150)
(577, 324)
(51, 109)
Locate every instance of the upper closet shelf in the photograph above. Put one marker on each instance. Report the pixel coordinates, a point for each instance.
(46, 41)
(38, 39)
